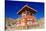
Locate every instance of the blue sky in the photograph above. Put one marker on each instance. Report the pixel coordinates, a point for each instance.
(12, 7)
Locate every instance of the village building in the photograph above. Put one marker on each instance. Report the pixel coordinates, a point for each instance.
(26, 21)
(27, 18)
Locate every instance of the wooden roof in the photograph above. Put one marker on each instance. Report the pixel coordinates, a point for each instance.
(26, 8)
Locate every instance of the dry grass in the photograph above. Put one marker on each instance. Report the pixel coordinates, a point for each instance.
(40, 25)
